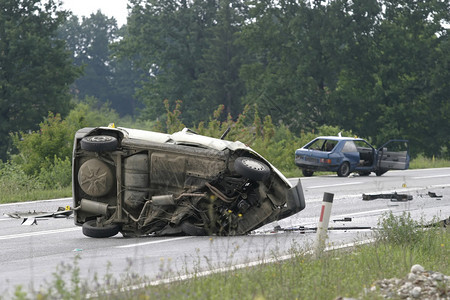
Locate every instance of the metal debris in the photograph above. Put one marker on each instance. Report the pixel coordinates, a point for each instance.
(346, 219)
(393, 197)
(60, 213)
(433, 195)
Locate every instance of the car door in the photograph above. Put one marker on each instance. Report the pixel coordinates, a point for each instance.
(394, 155)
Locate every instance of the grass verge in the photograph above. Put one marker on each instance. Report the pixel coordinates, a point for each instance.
(9, 196)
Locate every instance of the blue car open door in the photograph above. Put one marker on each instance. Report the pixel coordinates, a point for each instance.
(394, 155)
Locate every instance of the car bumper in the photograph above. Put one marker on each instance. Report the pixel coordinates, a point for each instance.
(302, 164)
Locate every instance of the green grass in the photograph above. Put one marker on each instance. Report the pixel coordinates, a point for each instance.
(400, 243)
(10, 196)
(422, 162)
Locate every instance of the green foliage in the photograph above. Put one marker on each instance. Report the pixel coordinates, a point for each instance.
(105, 76)
(39, 150)
(422, 162)
(91, 112)
(14, 180)
(382, 70)
(56, 173)
(187, 50)
(173, 123)
(399, 230)
(35, 69)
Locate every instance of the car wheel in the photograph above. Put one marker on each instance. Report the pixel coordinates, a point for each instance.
(95, 178)
(307, 173)
(251, 168)
(344, 169)
(364, 173)
(99, 143)
(91, 229)
(191, 229)
(380, 172)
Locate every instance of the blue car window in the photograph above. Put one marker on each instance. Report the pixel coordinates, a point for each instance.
(329, 145)
(349, 147)
(316, 145)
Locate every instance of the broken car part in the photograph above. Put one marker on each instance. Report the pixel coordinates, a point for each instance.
(140, 182)
(392, 197)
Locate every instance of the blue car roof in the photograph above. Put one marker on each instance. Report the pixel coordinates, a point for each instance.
(339, 138)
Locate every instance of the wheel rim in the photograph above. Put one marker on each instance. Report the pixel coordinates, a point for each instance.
(100, 138)
(344, 170)
(253, 164)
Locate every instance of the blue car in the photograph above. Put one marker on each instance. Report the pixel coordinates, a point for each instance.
(345, 155)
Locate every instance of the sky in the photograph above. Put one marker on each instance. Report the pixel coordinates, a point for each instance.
(111, 8)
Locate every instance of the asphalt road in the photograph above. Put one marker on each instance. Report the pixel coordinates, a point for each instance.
(34, 256)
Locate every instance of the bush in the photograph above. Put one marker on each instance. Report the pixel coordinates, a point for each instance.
(57, 174)
(38, 150)
(398, 230)
(14, 180)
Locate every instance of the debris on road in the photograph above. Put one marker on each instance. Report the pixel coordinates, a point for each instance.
(393, 197)
(433, 195)
(62, 212)
(346, 219)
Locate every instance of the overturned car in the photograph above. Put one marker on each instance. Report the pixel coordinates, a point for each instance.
(147, 183)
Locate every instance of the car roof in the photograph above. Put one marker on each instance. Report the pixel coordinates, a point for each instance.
(339, 138)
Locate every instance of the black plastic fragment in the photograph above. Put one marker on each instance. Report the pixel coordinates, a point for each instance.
(392, 197)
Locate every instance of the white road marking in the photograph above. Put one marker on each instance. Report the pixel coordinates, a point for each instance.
(362, 213)
(331, 185)
(431, 176)
(37, 233)
(35, 201)
(153, 242)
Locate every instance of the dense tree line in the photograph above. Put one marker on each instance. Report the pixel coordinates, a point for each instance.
(379, 68)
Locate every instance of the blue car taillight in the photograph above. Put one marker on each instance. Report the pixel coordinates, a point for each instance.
(325, 161)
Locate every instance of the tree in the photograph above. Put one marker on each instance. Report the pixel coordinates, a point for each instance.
(299, 49)
(35, 69)
(398, 90)
(219, 81)
(188, 52)
(105, 76)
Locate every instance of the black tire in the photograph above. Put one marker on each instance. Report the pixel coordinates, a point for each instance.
(307, 173)
(364, 173)
(344, 169)
(251, 168)
(380, 172)
(99, 143)
(191, 229)
(91, 229)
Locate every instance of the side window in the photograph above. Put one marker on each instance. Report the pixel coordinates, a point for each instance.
(349, 147)
(316, 145)
(329, 145)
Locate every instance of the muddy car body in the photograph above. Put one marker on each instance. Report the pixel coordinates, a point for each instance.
(146, 183)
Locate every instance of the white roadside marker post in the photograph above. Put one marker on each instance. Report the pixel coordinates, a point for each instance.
(322, 227)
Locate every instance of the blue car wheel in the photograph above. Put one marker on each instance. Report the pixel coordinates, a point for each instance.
(344, 169)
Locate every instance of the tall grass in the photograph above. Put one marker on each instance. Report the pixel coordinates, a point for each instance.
(400, 243)
(422, 162)
(17, 186)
